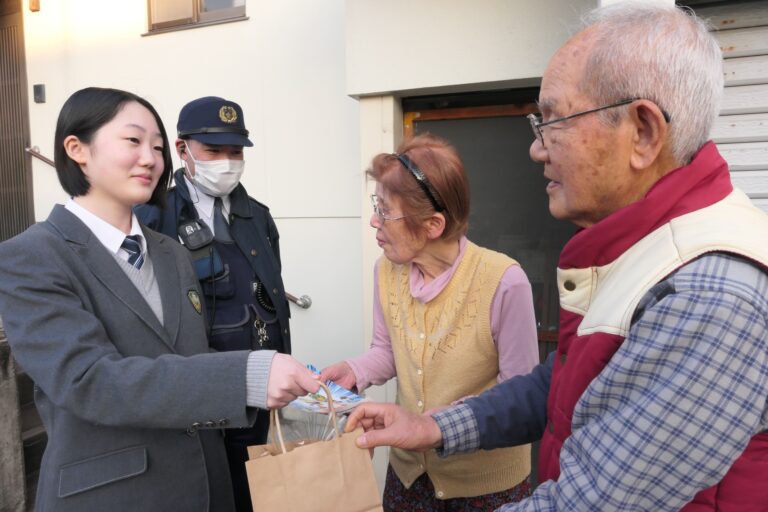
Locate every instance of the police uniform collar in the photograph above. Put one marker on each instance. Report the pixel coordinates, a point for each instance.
(204, 203)
(239, 201)
(240, 205)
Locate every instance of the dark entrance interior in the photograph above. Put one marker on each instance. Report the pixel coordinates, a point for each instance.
(509, 204)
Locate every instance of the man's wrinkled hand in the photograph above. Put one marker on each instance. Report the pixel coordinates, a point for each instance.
(392, 425)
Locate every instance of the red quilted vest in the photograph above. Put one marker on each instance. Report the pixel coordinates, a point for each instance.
(580, 358)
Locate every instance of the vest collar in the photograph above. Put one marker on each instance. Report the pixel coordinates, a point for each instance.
(701, 183)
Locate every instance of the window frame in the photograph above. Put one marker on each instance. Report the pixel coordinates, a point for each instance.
(199, 18)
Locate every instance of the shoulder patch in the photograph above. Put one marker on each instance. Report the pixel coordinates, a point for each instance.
(194, 299)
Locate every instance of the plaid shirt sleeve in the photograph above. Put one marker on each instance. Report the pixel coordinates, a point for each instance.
(678, 402)
(459, 428)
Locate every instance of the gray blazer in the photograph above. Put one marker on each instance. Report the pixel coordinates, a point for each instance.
(133, 409)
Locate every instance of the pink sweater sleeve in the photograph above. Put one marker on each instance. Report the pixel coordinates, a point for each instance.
(377, 365)
(513, 324)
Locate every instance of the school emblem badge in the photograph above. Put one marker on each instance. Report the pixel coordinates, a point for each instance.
(194, 298)
(227, 114)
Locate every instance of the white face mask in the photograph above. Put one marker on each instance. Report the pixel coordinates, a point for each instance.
(217, 178)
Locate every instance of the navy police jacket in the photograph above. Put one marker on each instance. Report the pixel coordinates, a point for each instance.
(252, 228)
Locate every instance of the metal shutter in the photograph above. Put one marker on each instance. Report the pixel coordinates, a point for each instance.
(741, 131)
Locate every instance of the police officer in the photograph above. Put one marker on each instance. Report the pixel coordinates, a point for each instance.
(233, 242)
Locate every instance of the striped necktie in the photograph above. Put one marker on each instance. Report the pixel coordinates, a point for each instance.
(132, 245)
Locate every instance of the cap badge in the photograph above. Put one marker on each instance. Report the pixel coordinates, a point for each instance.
(227, 114)
(194, 298)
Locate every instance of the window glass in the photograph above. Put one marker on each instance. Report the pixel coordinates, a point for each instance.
(171, 10)
(212, 5)
(179, 14)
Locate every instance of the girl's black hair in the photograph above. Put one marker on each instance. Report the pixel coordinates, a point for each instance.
(82, 115)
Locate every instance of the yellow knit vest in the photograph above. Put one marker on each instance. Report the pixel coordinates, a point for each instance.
(444, 351)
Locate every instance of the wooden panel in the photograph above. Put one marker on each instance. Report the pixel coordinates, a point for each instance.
(16, 191)
(742, 42)
(745, 99)
(8, 7)
(746, 156)
(754, 183)
(740, 128)
(746, 70)
(410, 119)
(734, 14)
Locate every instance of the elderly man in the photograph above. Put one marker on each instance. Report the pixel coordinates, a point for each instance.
(656, 396)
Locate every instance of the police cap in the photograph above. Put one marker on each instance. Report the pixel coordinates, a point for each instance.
(213, 120)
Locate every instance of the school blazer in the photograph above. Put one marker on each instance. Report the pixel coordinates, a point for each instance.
(133, 409)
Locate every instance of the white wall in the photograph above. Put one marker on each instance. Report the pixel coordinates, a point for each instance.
(286, 66)
(406, 45)
(381, 128)
(322, 260)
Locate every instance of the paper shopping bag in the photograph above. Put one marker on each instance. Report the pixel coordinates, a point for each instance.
(318, 476)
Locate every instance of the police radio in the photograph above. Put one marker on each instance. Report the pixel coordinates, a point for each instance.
(198, 237)
(195, 234)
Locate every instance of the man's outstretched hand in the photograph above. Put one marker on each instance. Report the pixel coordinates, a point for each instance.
(391, 425)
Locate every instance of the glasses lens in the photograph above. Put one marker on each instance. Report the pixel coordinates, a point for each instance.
(534, 119)
(376, 209)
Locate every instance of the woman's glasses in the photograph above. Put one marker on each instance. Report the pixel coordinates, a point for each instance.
(380, 214)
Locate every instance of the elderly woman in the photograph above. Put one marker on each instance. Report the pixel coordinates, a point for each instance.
(451, 319)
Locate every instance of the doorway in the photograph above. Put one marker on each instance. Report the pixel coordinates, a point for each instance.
(509, 210)
(509, 207)
(16, 206)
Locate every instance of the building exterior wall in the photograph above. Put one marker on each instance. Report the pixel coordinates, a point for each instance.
(401, 46)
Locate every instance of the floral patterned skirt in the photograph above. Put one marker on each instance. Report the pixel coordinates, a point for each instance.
(421, 497)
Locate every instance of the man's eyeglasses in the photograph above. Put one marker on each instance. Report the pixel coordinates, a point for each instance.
(383, 217)
(537, 122)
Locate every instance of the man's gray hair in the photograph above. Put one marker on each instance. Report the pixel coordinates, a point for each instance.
(661, 53)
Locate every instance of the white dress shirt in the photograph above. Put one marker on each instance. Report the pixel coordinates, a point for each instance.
(109, 236)
(204, 204)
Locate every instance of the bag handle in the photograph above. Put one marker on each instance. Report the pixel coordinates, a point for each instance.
(274, 419)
